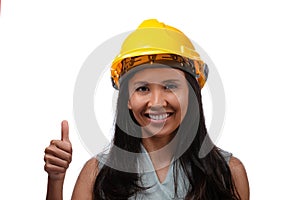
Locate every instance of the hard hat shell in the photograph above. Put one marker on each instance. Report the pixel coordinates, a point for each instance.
(153, 37)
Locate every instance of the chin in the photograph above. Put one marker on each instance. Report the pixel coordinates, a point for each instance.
(156, 132)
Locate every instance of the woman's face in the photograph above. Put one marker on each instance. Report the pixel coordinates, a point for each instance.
(158, 98)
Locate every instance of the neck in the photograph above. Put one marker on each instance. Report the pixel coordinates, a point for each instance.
(159, 151)
(154, 144)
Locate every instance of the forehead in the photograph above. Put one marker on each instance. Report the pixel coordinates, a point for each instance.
(157, 75)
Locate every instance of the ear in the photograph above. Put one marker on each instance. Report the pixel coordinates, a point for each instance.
(129, 105)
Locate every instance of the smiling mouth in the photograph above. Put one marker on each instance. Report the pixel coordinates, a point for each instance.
(158, 117)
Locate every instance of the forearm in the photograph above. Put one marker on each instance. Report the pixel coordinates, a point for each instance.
(54, 189)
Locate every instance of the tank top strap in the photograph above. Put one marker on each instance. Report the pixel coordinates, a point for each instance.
(226, 155)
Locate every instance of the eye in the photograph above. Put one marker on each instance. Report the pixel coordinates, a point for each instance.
(171, 87)
(142, 89)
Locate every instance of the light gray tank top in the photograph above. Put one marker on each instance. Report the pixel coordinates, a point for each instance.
(158, 190)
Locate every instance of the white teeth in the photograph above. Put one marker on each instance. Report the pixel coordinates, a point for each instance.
(158, 117)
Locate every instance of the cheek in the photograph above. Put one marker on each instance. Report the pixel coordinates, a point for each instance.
(182, 103)
(135, 103)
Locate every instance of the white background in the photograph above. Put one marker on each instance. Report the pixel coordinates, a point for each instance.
(255, 46)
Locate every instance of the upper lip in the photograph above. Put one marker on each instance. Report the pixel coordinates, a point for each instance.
(158, 113)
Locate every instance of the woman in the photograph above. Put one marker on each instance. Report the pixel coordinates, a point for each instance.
(161, 149)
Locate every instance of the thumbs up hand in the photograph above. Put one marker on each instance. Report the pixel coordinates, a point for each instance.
(58, 155)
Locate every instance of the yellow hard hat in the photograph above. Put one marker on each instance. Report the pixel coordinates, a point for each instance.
(153, 41)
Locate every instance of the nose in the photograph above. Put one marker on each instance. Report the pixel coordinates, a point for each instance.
(157, 98)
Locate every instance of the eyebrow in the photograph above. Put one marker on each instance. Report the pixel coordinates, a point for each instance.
(171, 81)
(164, 82)
(138, 83)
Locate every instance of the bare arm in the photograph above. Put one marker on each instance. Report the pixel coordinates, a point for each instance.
(85, 183)
(58, 156)
(240, 179)
(54, 189)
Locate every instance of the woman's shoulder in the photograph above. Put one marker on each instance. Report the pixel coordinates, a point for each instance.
(236, 166)
(239, 176)
(238, 172)
(91, 164)
(85, 182)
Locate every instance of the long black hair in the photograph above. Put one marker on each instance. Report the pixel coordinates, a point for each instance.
(208, 174)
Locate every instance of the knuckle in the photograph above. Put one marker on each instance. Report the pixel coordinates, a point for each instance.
(69, 159)
(46, 168)
(49, 150)
(68, 147)
(45, 158)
